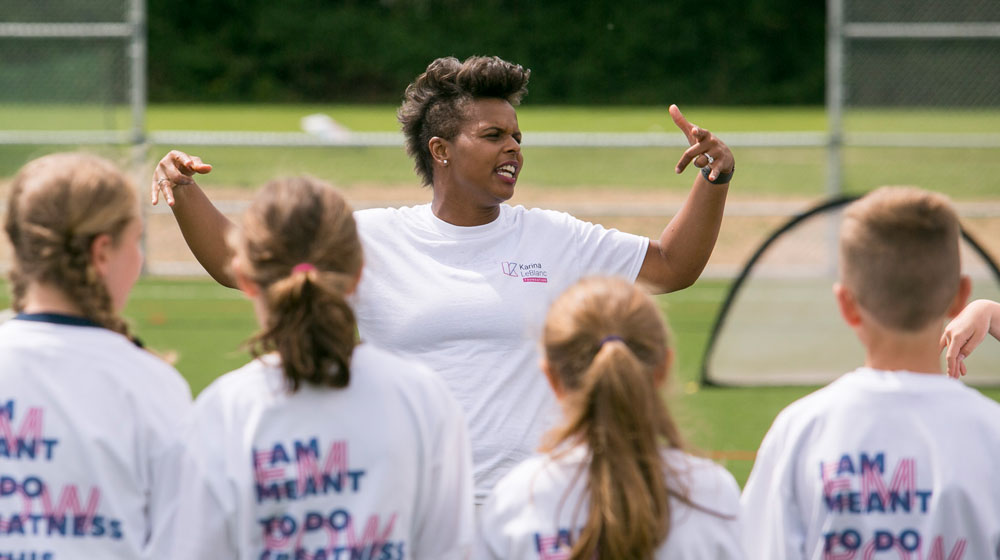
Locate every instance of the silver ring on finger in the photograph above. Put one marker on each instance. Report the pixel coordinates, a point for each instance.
(160, 182)
(711, 159)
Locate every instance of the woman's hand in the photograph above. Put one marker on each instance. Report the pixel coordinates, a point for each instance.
(706, 148)
(174, 170)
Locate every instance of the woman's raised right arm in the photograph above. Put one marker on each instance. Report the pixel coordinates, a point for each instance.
(204, 227)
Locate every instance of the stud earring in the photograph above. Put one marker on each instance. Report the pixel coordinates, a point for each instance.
(446, 162)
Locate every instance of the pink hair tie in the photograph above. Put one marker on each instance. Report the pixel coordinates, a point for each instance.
(303, 267)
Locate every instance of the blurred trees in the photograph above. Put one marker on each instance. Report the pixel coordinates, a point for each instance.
(580, 52)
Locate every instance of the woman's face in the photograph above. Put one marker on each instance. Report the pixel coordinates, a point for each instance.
(484, 158)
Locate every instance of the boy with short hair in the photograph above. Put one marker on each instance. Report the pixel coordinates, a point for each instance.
(892, 460)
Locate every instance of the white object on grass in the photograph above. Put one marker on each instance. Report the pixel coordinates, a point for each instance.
(324, 127)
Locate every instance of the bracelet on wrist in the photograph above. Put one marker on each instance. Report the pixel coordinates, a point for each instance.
(723, 177)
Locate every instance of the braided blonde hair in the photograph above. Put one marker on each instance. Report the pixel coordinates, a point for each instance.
(59, 204)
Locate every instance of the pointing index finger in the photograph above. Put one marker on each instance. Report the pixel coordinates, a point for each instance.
(682, 123)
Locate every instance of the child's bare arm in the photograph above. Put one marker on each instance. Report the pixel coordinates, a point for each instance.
(964, 333)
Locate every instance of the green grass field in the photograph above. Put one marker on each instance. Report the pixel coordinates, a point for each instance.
(204, 324)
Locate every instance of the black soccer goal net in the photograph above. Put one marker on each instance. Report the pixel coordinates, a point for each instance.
(780, 325)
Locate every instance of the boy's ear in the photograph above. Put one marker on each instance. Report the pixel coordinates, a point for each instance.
(848, 306)
(961, 296)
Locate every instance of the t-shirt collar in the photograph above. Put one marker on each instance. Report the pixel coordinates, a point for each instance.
(465, 232)
(57, 318)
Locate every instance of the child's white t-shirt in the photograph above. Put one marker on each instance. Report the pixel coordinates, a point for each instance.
(378, 469)
(87, 421)
(878, 464)
(538, 509)
(470, 303)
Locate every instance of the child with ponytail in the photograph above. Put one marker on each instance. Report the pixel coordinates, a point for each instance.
(87, 417)
(614, 481)
(319, 448)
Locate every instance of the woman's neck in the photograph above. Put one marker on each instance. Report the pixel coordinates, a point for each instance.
(457, 215)
(460, 209)
(45, 298)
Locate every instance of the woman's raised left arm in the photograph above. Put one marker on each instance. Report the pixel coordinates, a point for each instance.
(675, 260)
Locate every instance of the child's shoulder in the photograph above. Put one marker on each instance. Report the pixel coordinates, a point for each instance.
(120, 361)
(539, 478)
(707, 482)
(246, 382)
(818, 402)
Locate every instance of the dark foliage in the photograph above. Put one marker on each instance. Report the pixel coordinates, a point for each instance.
(621, 52)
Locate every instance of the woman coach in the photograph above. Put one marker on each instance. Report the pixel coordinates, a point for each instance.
(463, 283)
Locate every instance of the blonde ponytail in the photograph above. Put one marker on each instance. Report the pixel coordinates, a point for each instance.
(606, 343)
(299, 243)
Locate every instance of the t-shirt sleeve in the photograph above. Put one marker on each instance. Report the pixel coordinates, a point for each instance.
(729, 545)
(715, 532)
(606, 251)
(445, 527)
(772, 523)
(203, 522)
(163, 406)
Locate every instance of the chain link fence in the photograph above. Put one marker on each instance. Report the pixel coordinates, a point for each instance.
(922, 53)
(917, 75)
(71, 75)
(71, 66)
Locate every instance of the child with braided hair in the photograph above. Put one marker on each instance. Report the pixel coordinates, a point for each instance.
(86, 416)
(319, 448)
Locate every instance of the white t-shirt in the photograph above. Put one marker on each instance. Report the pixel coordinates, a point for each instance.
(470, 303)
(379, 469)
(86, 421)
(532, 512)
(879, 465)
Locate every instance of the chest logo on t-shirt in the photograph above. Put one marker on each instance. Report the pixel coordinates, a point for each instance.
(530, 272)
